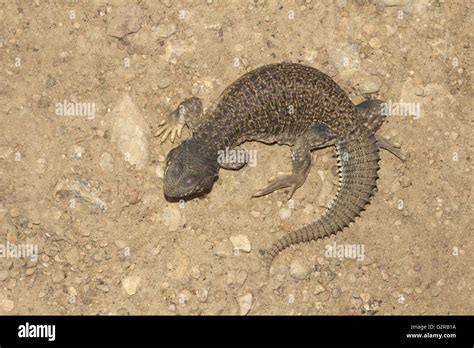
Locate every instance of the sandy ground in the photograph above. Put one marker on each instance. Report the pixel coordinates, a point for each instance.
(84, 188)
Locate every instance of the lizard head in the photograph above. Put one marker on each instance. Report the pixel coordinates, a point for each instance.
(189, 171)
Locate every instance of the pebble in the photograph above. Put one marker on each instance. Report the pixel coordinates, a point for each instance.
(365, 296)
(106, 162)
(326, 196)
(236, 278)
(336, 293)
(131, 284)
(375, 43)
(30, 271)
(132, 195)
(7, 305)
(14, 212)
(73, 256)
(222, 248)
(164, 82)
(160, 171)
(41, 166)
(245, 303)
(300, 269)
(369, 84)
(4, 275)
(318, 289)
(255, 214)
(172, 218)
(165, 30)
(345, 57)
(35, 217)
(57, 276)
(405, 181)
(384, 275)
(77, 152)
(83, 231)
(285, 213)
(241, 242)
(125, 20)
(80, 188)
(131, 133)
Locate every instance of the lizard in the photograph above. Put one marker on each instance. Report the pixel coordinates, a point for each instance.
(290, 104)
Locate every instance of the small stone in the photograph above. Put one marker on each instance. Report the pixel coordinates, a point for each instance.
(245, 303)
(195, 272)
(77, 152)
(57, 276)
(241, 242)
(14, 212)
(103, 287)
(131, 133)
(336, 293)
(4, 275)
(165, 30)
(125, 20)
(236, 278)
(255, 214)
(405, 182)
(131, 284)
(30, 271)
(7, 305)
(369, 84)
(375, 43)
(284, 213)
(83, 230)
(203, 295)
(35, 217)
(51, 81)
(384, 275)
(106, 162)
(164, 82)
(73, 256)
(365, 296)
(300, 269)
(160, 171)
(222, 248)
(172, 218)
(132, 195)
(318, 289)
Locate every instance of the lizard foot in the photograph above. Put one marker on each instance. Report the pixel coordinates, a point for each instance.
(387, 145)
(172, 126)
(293, 181)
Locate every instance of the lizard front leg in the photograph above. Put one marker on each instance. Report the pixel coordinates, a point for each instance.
(317, 136)
(188, 112)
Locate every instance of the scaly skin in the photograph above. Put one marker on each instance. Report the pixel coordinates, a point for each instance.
(289, 104)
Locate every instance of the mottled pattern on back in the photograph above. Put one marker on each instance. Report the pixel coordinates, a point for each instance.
(278, 102)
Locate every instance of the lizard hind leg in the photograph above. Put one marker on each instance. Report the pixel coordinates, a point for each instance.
(188, 113)
(317, 136)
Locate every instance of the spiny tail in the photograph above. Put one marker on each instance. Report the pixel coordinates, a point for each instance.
(358, 166)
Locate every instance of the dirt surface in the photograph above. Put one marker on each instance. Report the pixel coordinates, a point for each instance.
(82, 184)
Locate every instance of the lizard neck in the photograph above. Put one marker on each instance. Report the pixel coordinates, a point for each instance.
(218, 132)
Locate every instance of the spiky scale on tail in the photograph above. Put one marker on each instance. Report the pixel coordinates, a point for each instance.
(357, 159)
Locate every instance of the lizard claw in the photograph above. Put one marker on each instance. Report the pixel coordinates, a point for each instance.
(172, 126)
